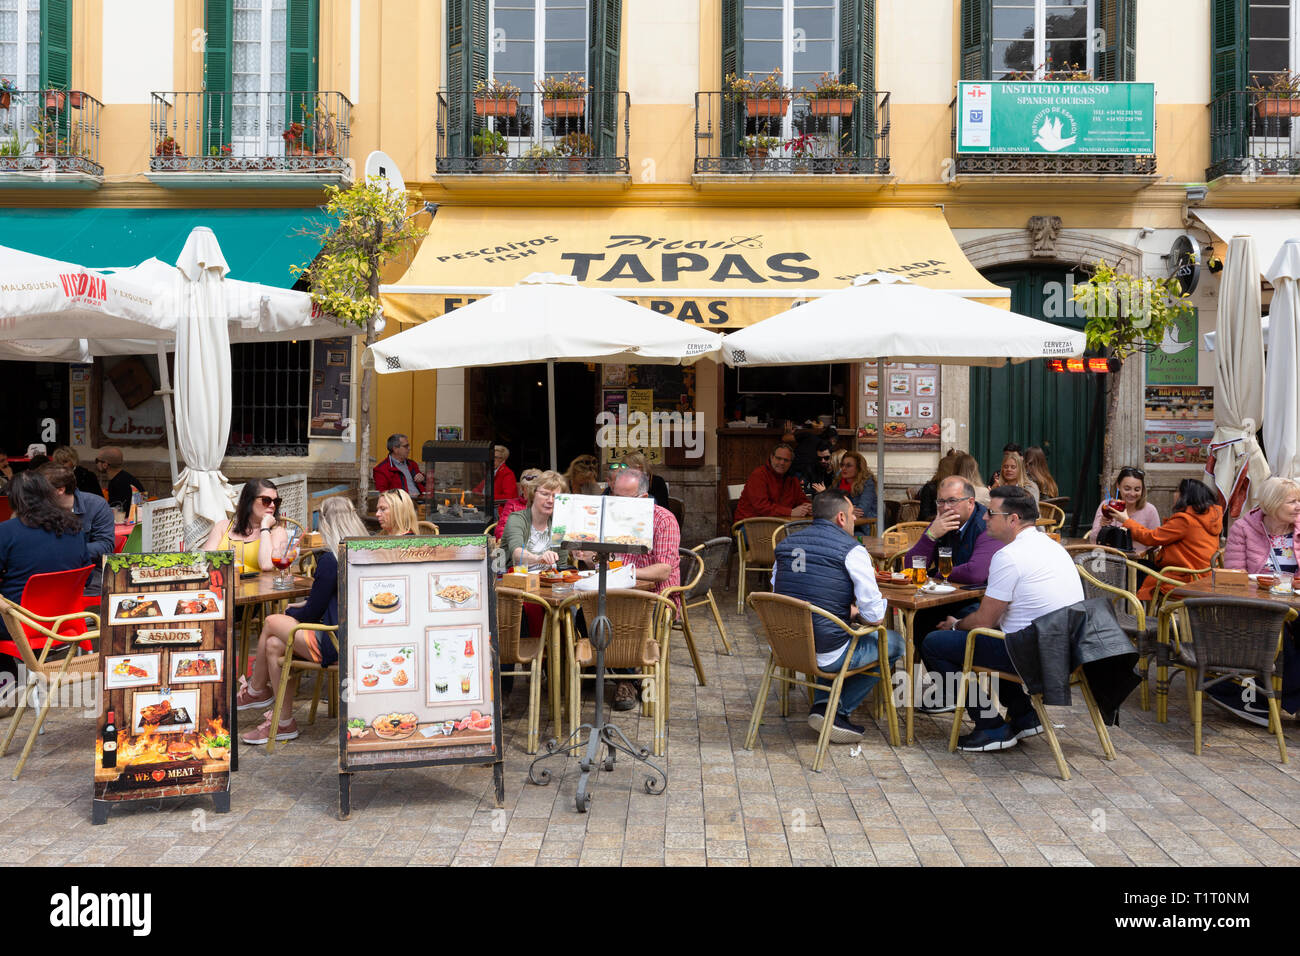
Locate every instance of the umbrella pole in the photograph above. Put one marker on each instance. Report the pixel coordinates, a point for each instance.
(170, 422)
(550, 409)
(880, 446)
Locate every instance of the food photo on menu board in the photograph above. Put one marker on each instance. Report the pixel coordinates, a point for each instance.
(165, 712)
(455, 664)
(387, 667)
(167, 606)
(455, 592)
(138, 670)
(195, 667)
(384, 601)
(602, 518)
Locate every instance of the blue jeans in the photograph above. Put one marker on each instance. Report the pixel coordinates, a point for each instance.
(944, 652)
(857, 687)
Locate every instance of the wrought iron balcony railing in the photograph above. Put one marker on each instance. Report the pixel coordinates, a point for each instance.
(277, 131)
(1045, 164)
(1254, 134)
(49, 130)
(531, 135)
(788, 136)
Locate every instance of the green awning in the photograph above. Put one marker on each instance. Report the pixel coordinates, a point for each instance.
(259, 244)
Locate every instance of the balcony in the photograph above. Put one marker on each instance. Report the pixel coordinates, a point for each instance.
(288, 140)
(789, 138)
(527, 136)
(1254, 135)
(49, 138)
(1137, 170)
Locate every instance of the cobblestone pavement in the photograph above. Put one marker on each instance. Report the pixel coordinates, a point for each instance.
(725, 806)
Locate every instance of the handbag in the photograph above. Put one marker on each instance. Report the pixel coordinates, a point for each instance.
(1118, 538)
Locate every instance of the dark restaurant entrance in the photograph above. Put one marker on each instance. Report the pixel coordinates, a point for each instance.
(507, 404)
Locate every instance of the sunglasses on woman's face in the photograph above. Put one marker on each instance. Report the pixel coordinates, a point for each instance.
(268, 501)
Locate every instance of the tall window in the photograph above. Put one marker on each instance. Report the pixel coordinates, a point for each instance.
(259, 59)
(20, 43)
(1271, 49)
(1032, 36)
(270, 392)
(531, 39)
(797, 37)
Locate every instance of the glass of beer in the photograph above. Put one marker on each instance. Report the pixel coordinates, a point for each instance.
(945, 563)
(919, 575)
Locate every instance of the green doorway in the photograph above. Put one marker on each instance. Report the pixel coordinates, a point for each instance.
(1029, 405)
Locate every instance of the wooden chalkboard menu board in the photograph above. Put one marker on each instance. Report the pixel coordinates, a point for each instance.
(167, 656)
(418, 657)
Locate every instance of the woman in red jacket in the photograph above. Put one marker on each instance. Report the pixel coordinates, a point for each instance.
(1188, 539)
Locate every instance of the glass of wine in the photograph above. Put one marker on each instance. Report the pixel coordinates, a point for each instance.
(283, 557)
(945, 563)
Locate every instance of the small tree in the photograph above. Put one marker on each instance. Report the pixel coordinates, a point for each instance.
(372, 229)
(1126, 315)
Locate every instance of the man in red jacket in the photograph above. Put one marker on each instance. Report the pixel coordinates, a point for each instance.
(397, 472)
(772, 492)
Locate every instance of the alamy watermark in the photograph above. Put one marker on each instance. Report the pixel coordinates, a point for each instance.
(638, 429)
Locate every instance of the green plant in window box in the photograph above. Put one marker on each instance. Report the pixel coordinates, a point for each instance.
(496, 98)
(491, 147)
(577, 147)
(539, 159)
(758, 147)
(563, 96)
(831, 96)
(766, 97)
(1048, 73)
(1279, 97)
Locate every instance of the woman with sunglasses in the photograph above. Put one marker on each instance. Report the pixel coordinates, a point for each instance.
(1131, 487)
(254, 533)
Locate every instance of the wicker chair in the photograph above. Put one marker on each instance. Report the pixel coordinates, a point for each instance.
(789, 528)
(71, 668)
(913, 530)
(716, 553)
(788, 624)
(1107, 573)
(909, 510)
(524, 655)
(756, 549)
(639, 623)
(691, 571)
(426, 527)
(969, 668)
(1228, 637)
(1050, 512)
(290, 664)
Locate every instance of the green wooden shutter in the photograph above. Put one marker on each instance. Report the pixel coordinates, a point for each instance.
(217, 78)
(1229, 121)
(56, 55)
(466, 64)
(858, 65)
(302, 70)
(606, 19)
(976, 28)
(1115, 60)
(733, 42)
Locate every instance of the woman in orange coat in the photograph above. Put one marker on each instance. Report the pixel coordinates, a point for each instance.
(1188, 539)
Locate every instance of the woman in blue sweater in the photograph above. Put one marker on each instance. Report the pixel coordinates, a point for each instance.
(338, 520)
(857, 481)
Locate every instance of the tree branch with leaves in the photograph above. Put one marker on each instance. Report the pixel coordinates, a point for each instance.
(371, 228)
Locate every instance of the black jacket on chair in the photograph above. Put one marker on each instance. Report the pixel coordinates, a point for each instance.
(1086, 634)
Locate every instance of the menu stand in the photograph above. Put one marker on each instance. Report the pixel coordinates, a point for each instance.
(600, 731)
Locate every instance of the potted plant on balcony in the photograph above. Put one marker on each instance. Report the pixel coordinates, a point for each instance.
(767, 97)
(845, 162)
(1047, 72)
(324, 127)
(55, 98)
(757, 148)
(224, 152)
(7, 89)
(831, 97)
(167, 146)
(804, 150)
(577, 147)
(292, 137)
(539, 159)
(563, 95)
(496, 98)
(75, 98)
(48, 141)
(491, 147)
(1281, 97)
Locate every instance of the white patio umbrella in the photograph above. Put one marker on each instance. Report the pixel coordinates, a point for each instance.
(886, 317)
(544, 318)
(1236, 463)
(202, 379)
(1282, 366)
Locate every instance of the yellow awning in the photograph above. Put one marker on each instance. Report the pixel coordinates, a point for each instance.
(720, 268)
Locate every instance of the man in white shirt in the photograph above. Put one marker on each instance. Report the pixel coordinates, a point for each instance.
(1029, 577)
(825, 565)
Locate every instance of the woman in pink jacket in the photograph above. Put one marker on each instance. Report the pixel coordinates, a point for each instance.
(1265, 539)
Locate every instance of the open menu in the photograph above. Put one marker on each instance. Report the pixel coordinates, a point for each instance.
(603, 519)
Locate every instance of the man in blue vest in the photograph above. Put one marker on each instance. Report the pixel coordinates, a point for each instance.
(825, 565)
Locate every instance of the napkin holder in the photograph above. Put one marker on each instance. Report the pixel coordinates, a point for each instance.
(1230, 578)
(894, 539)
(522, 582)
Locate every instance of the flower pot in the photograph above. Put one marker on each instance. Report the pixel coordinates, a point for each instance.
(5, 99)
(75, 98)
(554, 108)
(1278, 107)
(767, 106)
(54, 99)
(829, 107)
(496, 106)
(757, 158)
(577, 164)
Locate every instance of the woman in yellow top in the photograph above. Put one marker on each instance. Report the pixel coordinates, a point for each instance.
(253, 533)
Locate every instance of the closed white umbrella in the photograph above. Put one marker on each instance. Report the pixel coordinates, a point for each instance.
(1282, 365)
(544, 318)
(887, 317)
(1236, 463)
(202, 379)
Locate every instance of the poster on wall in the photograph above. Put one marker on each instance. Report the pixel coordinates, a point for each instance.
(907, 420)
(419, 656)
(164, 726)
(1174, 362)
(1179, 424)
(331, 387)
(129, 412)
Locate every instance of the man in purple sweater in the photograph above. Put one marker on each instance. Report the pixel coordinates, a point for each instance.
(959, 525)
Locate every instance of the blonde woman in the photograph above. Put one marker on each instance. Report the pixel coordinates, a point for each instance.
(338, 520)
(396, 513)
(1013, 472)
(583, 476)
(857, 481)
(967, 467)
(527, 538)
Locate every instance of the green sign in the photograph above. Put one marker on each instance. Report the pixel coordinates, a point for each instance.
(1060, 118)
(1174, 362)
